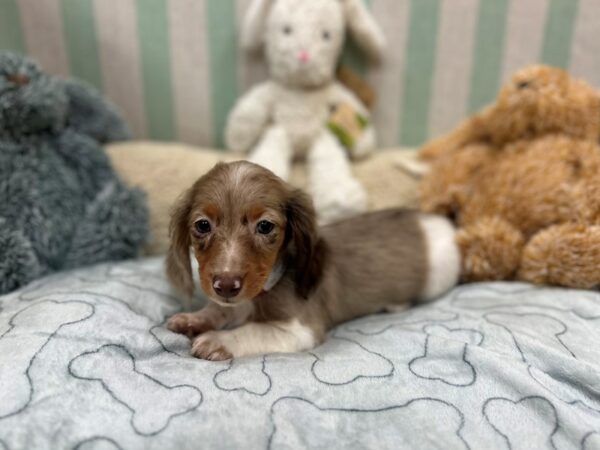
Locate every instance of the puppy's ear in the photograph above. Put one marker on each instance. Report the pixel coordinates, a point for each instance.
(309, 252)
(179, 267)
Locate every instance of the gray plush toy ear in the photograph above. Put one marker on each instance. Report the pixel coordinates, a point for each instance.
(253, 28)
(365, 30)
(91, 114)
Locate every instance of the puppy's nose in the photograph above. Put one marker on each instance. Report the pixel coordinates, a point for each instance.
(18, 79)
(227, 285)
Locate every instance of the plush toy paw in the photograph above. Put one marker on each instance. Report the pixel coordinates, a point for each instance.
(274, 152)
(564, 255)
(342, 200)
(491, 250)
(365, 145)
(433, 150)
(114, 227)
(92, 115)
(19, 264)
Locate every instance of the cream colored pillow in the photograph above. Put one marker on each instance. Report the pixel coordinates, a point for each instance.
(165, 170)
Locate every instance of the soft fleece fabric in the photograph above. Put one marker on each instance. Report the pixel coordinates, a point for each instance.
(86, 363)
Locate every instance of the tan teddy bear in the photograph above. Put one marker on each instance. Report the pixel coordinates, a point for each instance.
(522, 180)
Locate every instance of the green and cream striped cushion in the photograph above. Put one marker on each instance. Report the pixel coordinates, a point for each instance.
(174, 67)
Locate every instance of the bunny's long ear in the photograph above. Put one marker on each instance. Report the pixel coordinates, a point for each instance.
(253, 28)
(364, 28)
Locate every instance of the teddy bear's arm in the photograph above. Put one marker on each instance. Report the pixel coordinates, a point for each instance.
(87, 160)
(20, 264)
(113, 227)
(91, 114)
(249, 118)
(563, 255)
(366, 144)
(470, 131)
(490, 248)
(450, 181)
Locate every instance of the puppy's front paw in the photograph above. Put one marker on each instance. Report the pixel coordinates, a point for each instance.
(210, 346)
(189, 324)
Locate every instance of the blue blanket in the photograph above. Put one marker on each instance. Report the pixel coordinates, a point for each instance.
(86, 363)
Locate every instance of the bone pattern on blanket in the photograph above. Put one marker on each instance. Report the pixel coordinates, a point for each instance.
(247, 376)
(330, 427)
(549, 329)
(445, 357)
(591, 441)
(29, 330)
(98, 443)
(368, 364)
(520, 428)
(380, 324)
(524, 374)
(581, 393)
(152, 403)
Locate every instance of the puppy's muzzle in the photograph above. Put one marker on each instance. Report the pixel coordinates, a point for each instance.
(227, 285)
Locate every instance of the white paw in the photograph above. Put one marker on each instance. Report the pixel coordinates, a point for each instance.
(211, 346)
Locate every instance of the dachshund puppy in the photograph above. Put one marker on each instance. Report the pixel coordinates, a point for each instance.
(277, 282)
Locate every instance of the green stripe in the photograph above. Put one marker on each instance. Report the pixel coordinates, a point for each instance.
(558, 33)
(488, 53)
(11, 36)
(156, 68)
(420, 62)
(353, 56)
(80, 38)
(223, 62)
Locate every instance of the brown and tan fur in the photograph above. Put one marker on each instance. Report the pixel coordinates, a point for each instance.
(333, 274)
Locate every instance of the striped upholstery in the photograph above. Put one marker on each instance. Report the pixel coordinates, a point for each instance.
(174, 68)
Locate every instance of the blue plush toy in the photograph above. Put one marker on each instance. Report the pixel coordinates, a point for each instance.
(61, 203)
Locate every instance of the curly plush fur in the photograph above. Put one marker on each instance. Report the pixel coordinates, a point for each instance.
(522, 180)
(286, 117)
(61, 204)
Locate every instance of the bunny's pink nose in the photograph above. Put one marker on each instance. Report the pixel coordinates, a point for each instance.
(304, 56)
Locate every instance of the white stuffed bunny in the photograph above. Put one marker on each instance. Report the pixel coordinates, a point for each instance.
(286, 117)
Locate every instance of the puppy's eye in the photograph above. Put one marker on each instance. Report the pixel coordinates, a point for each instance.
(287, 29)
(202, 226)
(326, 35)
(264, 227)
